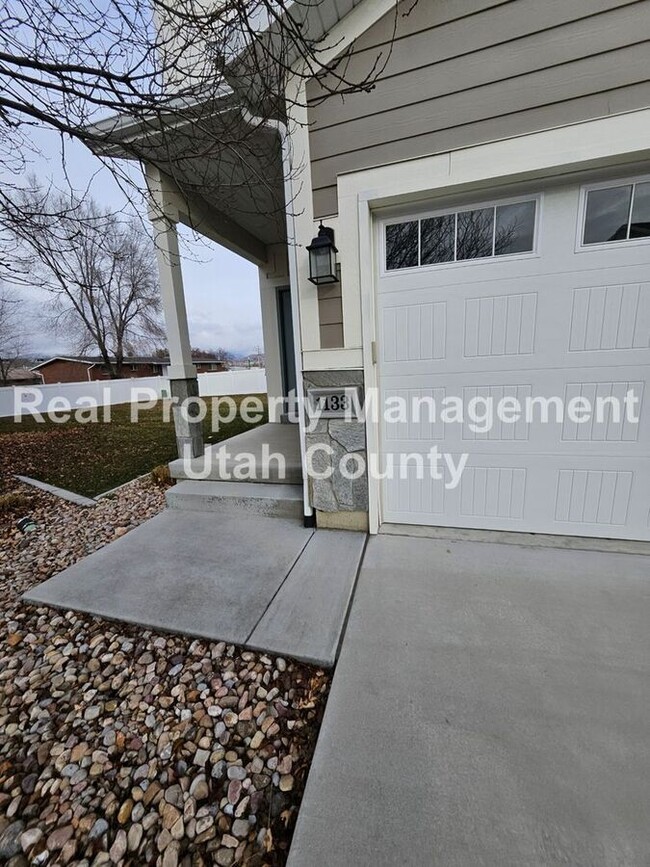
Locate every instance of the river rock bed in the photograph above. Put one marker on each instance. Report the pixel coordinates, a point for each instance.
(119, 745)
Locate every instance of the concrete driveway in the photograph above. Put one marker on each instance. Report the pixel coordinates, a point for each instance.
(491, 706)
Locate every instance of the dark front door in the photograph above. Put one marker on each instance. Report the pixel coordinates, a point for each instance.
(287, 355)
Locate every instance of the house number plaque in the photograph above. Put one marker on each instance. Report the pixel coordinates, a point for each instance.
(334, 402)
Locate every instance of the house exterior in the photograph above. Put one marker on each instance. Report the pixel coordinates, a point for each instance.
(490, 204)
(22, 376)
(92, 369)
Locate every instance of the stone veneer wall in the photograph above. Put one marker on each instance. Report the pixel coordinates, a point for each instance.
(337, 494)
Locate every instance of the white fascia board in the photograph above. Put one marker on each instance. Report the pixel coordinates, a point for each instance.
(349, 28)
(121, 129)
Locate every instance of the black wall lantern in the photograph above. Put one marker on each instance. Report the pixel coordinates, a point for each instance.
(322, 257)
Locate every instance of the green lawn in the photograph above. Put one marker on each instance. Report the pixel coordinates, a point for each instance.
(94, 457)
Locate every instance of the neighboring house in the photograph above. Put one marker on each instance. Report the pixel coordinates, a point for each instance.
(91, 369)
(22, 376)
(490, 201)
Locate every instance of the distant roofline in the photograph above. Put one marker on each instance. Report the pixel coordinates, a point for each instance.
(63, 358)
(135, 359)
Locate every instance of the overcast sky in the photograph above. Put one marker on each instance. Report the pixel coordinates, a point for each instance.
(221, 288)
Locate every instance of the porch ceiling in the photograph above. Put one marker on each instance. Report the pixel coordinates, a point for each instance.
(228, 171)
(219, 161)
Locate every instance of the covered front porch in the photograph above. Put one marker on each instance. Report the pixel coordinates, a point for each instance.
(234, 195)
(235, 556)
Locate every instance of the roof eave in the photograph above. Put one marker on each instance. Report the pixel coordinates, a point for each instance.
(111, 136)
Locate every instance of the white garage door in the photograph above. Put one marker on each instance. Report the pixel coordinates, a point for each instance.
(545, 296)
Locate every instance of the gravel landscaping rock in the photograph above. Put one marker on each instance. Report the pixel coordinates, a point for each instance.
(122, 746)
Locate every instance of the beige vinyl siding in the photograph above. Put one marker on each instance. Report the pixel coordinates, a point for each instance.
(464, 72)
(330, 316)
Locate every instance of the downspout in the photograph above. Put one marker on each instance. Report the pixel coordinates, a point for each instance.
(287, 167)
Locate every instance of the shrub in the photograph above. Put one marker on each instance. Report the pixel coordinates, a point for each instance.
(14, 501)
(161, 475)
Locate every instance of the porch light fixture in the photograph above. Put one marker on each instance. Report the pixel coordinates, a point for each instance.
(322, 257)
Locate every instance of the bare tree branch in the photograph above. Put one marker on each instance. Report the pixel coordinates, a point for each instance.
(99, 269)
(177, 74)
(11, 334)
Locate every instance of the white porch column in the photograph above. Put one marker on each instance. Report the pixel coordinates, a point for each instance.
(182, 373)
(173, 300)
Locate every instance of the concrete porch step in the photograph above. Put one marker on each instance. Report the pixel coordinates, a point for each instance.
(237, 498)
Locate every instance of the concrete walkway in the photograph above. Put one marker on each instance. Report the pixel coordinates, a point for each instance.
(275, 452)
(253, 581)
(491, 706)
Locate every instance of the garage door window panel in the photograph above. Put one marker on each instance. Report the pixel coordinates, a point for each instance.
(458, 236)
(438, 239)
(514, 230)
(475, 234)
(640, 223)
(615, 214)
(402, 245)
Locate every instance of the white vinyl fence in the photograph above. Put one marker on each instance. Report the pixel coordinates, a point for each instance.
(251, 381)
(19, 399)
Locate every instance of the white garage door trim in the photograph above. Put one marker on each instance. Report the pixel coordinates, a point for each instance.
(598, 489)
